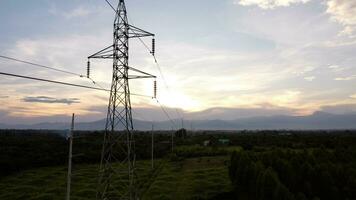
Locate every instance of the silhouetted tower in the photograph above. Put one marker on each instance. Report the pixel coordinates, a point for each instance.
(117, 177)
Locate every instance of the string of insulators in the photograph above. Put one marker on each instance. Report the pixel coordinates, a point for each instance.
(88, 69)
(153, 47)
(155, 89)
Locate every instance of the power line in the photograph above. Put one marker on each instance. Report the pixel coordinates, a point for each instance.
(111, 5)
(82, 76)
(64, 83)
(95, 83)
(144, 44)
(51, 81)
(166, 113)
(167, 87)
(141, 95)
(162, 108)
(48, 67)
(156, 62)
(161, 73)
(154, 57)
(87, 87)
(42, 66)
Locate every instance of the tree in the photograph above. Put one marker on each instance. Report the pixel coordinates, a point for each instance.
(269, 183)
(181, 133)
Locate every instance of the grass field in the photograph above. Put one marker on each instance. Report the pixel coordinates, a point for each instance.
(195, 178)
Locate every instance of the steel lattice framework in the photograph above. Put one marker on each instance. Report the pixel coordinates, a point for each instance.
(117, 177)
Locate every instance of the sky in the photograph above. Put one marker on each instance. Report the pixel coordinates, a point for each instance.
(224, 59)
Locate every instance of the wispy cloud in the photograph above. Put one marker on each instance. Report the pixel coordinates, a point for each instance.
(269, 4)
(69, 14)
(336, 68)
(78, 12)
(347, 78)
(344, 12)
(309, 78)
(294, 44)
(3, 97)
(45, 99)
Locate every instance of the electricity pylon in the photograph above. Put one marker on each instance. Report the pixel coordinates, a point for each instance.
(117, 177)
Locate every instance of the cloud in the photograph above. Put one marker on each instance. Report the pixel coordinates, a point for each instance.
(309, 78)
(336, 68)
(76, 12)
(287, 98)
(44, 99)
(269, 4)
(353, 96)
(240, 78)
(347, 78)
(343, 12)
(305, 70)
(3, 97)
(150, 113)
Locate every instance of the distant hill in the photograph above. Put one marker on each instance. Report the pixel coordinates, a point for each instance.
(318, 120)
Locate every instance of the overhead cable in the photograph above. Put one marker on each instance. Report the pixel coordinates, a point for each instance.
(64, 83)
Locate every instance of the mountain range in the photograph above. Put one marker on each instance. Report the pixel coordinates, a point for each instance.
(316, 121)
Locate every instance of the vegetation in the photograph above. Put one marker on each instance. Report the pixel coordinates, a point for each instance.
(278, 173)
(204, 165)
(28, 149)
(197, 178)
(21, 150)
(191, 151)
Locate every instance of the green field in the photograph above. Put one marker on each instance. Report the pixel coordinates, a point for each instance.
(194, 178)
(263, 165)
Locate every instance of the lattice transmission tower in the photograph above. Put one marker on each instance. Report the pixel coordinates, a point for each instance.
(117, 177)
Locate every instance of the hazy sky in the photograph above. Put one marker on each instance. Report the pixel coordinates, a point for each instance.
(239, 57)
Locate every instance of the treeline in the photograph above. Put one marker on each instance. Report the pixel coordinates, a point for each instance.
(26, 149)
(275, 138)
(279, 173)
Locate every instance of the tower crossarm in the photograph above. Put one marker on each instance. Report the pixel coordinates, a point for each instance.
(146, 75)
(139, 77)
(105, 53)
(135, 32)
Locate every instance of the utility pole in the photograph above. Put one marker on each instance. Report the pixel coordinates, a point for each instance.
(152, 147)
(118, 145)
(69, 175)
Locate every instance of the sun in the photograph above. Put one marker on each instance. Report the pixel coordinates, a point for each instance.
(176, 99)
